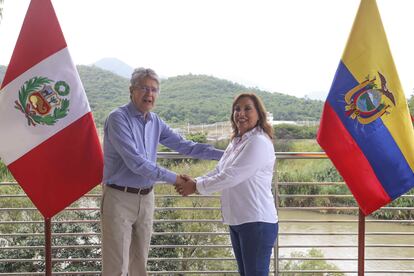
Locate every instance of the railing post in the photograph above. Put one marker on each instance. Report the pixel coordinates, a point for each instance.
(361, 242)
(276, 246)
(48, 247)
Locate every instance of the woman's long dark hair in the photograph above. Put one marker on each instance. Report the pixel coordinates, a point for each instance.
(261, 110)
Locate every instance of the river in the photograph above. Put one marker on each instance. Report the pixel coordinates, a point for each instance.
(348, 252)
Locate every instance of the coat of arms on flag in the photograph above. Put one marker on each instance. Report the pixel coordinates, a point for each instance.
(366, 102)
(365, 127)
(42, 100)
(49, 123)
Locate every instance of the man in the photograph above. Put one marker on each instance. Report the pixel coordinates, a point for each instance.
(132, 134)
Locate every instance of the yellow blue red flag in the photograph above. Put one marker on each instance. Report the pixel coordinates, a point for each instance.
(365, 127)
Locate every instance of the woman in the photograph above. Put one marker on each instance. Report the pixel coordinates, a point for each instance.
(244, 178)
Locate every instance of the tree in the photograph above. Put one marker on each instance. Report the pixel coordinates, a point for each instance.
(309, 264)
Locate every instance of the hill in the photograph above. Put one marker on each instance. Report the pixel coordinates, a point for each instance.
(190, 98)
(206, 99)
(105, 90)
(115, 66)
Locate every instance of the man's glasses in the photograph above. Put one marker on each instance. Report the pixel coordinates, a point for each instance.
(148, 89)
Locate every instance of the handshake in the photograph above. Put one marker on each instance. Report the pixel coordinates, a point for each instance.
(185, 185)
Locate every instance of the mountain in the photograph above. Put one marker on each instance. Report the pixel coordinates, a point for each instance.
(105, 90)
(115, 66)
(189, 98)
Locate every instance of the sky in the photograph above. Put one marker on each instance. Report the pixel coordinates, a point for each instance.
(287, 46)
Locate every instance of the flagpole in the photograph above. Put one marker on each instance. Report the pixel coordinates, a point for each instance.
(361, 243)
(48, 247)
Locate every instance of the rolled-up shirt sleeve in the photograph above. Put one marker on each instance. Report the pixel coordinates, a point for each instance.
(256, 154)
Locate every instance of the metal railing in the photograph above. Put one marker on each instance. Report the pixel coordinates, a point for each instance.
(189, 238)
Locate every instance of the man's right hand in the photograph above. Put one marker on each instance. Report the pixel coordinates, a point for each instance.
(185, 185)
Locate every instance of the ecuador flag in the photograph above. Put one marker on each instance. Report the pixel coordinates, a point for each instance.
(48, 137)
(365, 127)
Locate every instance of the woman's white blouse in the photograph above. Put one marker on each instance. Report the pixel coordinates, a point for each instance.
(244, 177)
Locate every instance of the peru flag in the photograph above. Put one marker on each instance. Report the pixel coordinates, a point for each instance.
(48, 137)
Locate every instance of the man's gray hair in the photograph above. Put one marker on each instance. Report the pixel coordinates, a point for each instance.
(142, 73)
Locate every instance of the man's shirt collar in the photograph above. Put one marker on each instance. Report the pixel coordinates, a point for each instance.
(134, 112)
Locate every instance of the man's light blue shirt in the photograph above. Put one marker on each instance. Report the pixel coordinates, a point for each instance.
(130, 148)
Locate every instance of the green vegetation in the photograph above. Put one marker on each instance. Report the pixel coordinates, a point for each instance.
(191, 228)
(309, 264)
(289, 131)
(26, 238)
(323, 171)
(170, 220)
(105, 91)
(191, 98)
(194, 99)
(205, 99)
(5, 175)
(310, 170)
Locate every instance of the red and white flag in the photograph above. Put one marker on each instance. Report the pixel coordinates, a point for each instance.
(48, 137)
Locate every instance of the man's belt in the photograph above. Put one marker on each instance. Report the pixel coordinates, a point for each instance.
(130, 189)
